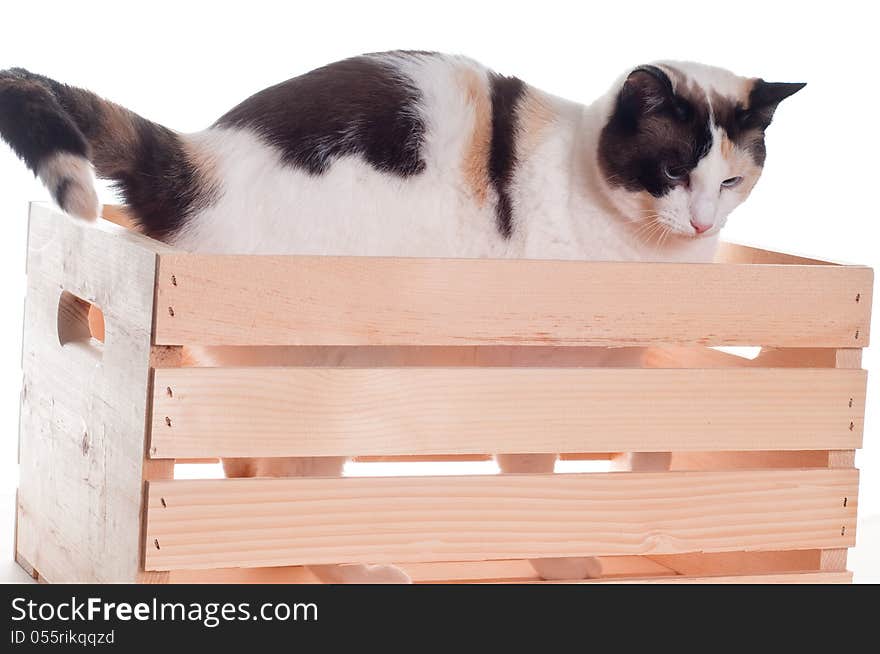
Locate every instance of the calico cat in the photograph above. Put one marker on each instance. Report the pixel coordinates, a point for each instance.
(417, 154)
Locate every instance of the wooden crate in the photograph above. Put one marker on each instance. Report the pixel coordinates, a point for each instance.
(444, 359)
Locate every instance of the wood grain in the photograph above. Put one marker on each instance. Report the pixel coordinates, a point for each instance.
(783, 578)
(729, 567)
(737, 253)
(203, 412)
(309, 300)
(82, 430)
(273, 522)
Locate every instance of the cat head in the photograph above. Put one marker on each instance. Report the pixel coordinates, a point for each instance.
(684, 145)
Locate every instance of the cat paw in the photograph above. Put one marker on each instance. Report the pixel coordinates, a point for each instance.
(588, 567)
(360, 574)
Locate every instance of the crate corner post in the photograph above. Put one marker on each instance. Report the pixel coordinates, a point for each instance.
(84, 401)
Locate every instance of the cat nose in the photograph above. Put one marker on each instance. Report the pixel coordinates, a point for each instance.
(700, 227)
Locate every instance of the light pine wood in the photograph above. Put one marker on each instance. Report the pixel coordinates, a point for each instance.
(203, 412)
(804, 357)
(278, 575)
(849, 358)
(271, 522)
(614, 569)
(784, 578)
(833, 559)
(841, 458)
(704, 357)
(308, 300)
(82, 430)
(756, 460)
(737, 253)
(739, 563)
(783, 516)
(424, 573)
(119, 215)
(364, 356)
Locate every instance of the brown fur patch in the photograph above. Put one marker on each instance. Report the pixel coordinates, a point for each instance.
(475, 163)
(114, 140)
(724, 110)
(726, 147)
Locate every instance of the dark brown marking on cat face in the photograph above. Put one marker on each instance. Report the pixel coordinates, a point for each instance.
(506, 94)
(654, 132)
(661, 123)
(746, 119)
(360, 106)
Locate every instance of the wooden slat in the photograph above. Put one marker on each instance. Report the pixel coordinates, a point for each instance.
(285, 575)
(704, 357)
(522, 570)
(272, 522)
(512, 570)
(784, 578)
(309, 300)
(740, 563)
(119, 215)
(737, 253)
(203, 412)
(749, 460)
(848, 358)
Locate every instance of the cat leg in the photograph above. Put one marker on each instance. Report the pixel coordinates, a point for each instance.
(325, 466)
(635, 357)
(586, 567)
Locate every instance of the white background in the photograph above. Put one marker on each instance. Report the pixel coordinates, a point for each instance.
(184, 64)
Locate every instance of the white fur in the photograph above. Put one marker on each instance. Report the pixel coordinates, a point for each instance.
(562, 207)
(80, 197)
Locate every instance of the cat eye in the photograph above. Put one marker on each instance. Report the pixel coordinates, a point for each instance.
(730, 182)
(675, 173)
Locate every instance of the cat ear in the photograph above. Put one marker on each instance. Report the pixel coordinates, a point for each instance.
(647, 90)
(764, 99)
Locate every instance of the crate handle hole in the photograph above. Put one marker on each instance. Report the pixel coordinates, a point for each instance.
(80, 323)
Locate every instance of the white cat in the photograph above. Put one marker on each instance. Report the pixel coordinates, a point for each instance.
(417, 154)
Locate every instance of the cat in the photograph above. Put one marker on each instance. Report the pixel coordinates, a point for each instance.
(417, 154)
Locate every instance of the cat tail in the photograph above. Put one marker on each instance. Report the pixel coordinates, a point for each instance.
(67, 135)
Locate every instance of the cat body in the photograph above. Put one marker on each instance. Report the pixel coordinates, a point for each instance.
(422, 155)
(449, 208)
(409, 154)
